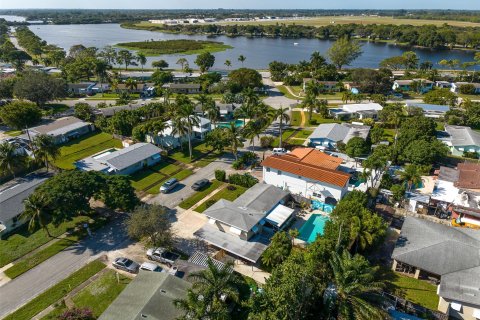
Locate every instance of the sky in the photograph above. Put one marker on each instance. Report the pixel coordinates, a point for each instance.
(244, 4)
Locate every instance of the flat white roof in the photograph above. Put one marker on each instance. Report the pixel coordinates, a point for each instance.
(355, 107)
(279, 215)
(445, 191)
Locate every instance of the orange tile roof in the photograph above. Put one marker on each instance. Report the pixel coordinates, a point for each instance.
(312, 165)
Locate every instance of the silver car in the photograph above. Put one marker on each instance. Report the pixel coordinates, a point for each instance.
(169, 185)
(126, 265)
(148, 266)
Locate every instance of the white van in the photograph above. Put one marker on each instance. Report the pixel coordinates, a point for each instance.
(279, 151)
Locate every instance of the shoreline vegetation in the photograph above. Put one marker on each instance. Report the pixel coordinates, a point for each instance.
(419, 36)
(187, 47)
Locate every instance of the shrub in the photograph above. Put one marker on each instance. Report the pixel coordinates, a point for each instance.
(77, 314)
(266, 141)
(231, 187)
(237, 164)
(246, 180)
(313, 122)
(467, 89)
(209, 203)
(470, 154)
(220, 175)
(248, 157)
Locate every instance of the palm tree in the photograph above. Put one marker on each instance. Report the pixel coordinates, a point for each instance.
(45, 148)
(179, 127)
(186, 111)
(252, 130)
(228, 63)
(250, 97)
(359, 234)
(197, 308)
(130, 84)
(281, 114)
(354, 283)
(310, 102)
(10, 158)
(36, 212)
(242, 59)
(234, 135)
(101, 68)
(142, 59)
(203, 99)
(182, 62)
(411, 175)
(211, 109)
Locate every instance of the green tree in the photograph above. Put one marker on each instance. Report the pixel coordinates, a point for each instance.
(411, 60)
(252, 130)
(123, 122)
(150, 223)
(182, 62)
(422, 152)
(45, 148)
(217, 139)
(205, 61)
(125, 57)
(234, 137)
(281, 114)
(242, 59)
(228, 63)
(118, 193)
(410, 175)
(39, 87)
(243, 78)
(20, 114)
(36, 213)
(344, 51)
(10, 158)
(160, 64)
(186, 112)
(141, 58)
(84, 111)
(278, 251)
(357, 147)
(6, 88)
(441, 96)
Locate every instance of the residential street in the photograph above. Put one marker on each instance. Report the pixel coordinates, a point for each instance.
(21, 290)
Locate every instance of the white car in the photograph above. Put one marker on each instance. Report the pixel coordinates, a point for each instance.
(279, 151)
(148, 266)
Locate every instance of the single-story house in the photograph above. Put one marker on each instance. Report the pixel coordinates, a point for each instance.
(461, 139)
(309, 173)
(63, 129)
(455, 87)
(80, 87)
(226, 110)
(443, 84)
(122, 161)
(11, 200)
(243, 227)
(327, 135)
(330, 85)
(168, 139)
(433, 250)
(182, 76)
(110, 111)
(356, 111)
(142, 88)
(136, 75)
(429, 110)
(407, 85)
(184, 88)
(150, 295)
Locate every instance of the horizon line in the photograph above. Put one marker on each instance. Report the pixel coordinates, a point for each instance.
(252, 9)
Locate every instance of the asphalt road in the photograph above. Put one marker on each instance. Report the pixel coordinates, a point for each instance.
(21, 290)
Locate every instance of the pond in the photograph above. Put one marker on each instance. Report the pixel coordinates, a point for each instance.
(258, 51)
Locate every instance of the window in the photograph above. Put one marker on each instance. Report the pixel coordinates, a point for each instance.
(279, 172)
(268, 169)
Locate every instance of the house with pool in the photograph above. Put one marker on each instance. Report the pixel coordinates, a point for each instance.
(310, 174)
(242, 228)
(327, 135)
(122, 161)
(169, 139)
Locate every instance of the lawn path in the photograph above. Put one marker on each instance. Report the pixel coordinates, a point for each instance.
(304, 118)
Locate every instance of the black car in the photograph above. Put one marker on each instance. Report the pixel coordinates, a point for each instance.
(126, 265)
(200, 184)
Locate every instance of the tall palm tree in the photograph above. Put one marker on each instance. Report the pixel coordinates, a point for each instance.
(196, 307)
(281, 114)
(411, 175)
(234, 136)
(10, 158)
(212, 111)
(354, 283)
(45, 148)
(182, 62)
(131, 84)
(228, 63)
(252, 130)
(359, 235)
(203, 99)
(250, 97)
(179, 127)
(186, 111)
(36, 212)
(310, 103)
(242, 59)
(141, 58)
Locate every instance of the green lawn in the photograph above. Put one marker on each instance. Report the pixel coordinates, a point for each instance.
(145, 178)
(83, 147)
(296, 142)
(417, 291)
(199, 151)
(286, 93)
(56, 108)
(56, 292)
(319, 119)
(303, 134)
(166, 168)
(13, 133)
(22, 241)
(224, 194)
(183, 174)
(197, 196)
(34, 260)
(296, 118)
(110, 96)
(285, 135)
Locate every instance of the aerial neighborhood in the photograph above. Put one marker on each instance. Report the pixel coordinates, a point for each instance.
(202, 176)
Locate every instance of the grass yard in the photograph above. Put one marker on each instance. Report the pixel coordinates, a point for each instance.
(56, 292)
(318, 118)
(34, 260)
(296, 142)
(145, 178)
(303, 134)
(223, 194)
(287, 93)
(22, 241)
(13, 133)
(285, 135)
(199, 151)
(166, 168)
(83, 147)
(200, 195)
(296, 118)
(417, 291)
(183, 174)
(55, 108)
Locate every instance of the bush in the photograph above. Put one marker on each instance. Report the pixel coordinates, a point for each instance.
(467, 89)
(209, 203)
(248, 157)
(470, 155)
(266, 141)
(231, 187)
(220, 175)
(237, 164)
(77, 314)
(246, 180)
(313, 122)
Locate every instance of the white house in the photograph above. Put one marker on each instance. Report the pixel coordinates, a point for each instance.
(409, 85)
(63, 129)
(457, 85)
(309, 173)
(357, 110)
(168, 139)
(327, 135)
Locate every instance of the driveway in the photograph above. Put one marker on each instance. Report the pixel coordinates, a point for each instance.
(21, 290)
(275, 98)
(184, 189)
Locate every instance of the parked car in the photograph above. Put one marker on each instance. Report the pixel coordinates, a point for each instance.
(279, 151)
(162, 255)
(200, 184)
(169, 185)
(126, 265)
(148, 266)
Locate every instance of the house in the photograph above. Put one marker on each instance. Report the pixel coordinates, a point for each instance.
(443, 84)
(182, 76)
(168, 139)
(432, 250)
(408, 85)
(12, 196)
(456, 86)
(80, 88)
(309, 173)
(243, 227)
(226, 110)
(110, 111)
(122, 161)
(136, 75)
(356, 111)
(150, 295)
(141, 88)
(183, 88)
(63, 129)
(329, 134)
(429, 110)
(329, 86)
(461, 139)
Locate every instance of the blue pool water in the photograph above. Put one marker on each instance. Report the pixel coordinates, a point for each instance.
(238, 124)
(313, 227)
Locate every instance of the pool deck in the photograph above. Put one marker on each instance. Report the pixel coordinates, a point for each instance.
(301, 220)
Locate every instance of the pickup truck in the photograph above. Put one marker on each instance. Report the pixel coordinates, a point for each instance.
(162, 255)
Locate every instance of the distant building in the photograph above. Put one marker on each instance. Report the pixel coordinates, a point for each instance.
(183, 88)
(408, 85)
(356, 111)
(110, 111)
(225, 110)
(329, 134)
(429, 110)
(80, 88)
(443, 84)
(455, 87)
(122, 161)
(63, 129)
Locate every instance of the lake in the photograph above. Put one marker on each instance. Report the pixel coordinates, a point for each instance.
(258, 51)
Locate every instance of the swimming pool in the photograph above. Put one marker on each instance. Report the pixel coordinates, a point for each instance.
(313, 227)
(238, 123)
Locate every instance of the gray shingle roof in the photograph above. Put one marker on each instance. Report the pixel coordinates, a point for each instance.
(11, 198)
(261, 197)
(462, 286)
(59, 126)
(124, 158)
(340, 132)
(150, 294)
(462, 136)
(110, 111)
